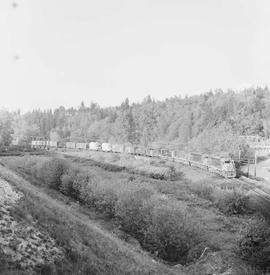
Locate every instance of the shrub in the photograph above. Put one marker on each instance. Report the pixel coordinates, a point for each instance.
(81, 188)
(88, 190)
(112, 158)
(254, 246)
(66, 186)
(170, 234)
(111, 167)
(202, 189)
(105, 199)
(156, 172)
(160, 226)
(131, 213)
(67, 182)
(232, 203)
(52, 171)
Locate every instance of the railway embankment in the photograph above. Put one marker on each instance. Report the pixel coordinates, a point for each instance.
(22, 245)
(86, 246)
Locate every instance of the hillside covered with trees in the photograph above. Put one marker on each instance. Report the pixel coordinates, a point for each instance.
(209, 122)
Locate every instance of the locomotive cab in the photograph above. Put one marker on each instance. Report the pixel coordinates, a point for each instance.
(228, 167)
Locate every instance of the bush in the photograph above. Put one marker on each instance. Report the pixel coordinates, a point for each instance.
(232, 203)
(105, 199)
(67, 182)
(131, 212)
(52, 171)
(202, 189)
(160, 226)
(170, 234)
(111, 167)
(254, 246)
(156, 172)
(66, 186)
(84, 187)
(79, 190)
(112, 158)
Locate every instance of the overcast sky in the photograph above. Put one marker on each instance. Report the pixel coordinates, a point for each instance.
(60, 52)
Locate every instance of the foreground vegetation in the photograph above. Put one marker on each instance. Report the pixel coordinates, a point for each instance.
(254, 244)
(161, 226)
(175, 221)
(88, 249)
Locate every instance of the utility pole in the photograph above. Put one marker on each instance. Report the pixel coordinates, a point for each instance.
(255, 163)
(248, 169)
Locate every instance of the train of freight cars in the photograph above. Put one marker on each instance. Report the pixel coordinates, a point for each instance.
(223, 166)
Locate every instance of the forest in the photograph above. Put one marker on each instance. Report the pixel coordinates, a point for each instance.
(207, 123)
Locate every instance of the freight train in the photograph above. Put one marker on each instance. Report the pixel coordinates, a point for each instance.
(223, 166)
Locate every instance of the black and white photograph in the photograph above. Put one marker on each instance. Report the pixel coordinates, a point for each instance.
(134, 137)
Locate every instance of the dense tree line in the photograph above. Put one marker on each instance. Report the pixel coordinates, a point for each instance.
(207, 122)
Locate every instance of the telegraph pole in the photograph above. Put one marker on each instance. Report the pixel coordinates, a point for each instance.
(248, 169)
(255, 163)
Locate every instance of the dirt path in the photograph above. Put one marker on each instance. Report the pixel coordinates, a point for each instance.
(124, 249)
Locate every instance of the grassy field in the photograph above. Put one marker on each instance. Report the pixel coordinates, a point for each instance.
(112, 190)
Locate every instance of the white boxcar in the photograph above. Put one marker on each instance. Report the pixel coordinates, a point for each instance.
(41, 143)
(106, 147)
(33, 143)
(118, 148)
(129, 149)
(38, 143)
(82, 145)
(94, 146)
(70, 145)
(53, 143)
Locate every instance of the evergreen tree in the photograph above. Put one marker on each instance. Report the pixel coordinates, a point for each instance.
(6, 130)
(125, 123)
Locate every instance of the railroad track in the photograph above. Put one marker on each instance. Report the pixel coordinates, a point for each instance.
(258, 192)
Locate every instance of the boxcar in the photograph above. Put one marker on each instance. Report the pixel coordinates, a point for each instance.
(118, 148)
(94, 146)
(70, 145)
(106, 147)
(166, 153)
(149, 152)
(196, 157)
(129, 149)
(139, 150)
(53, 144)
(82, 146)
